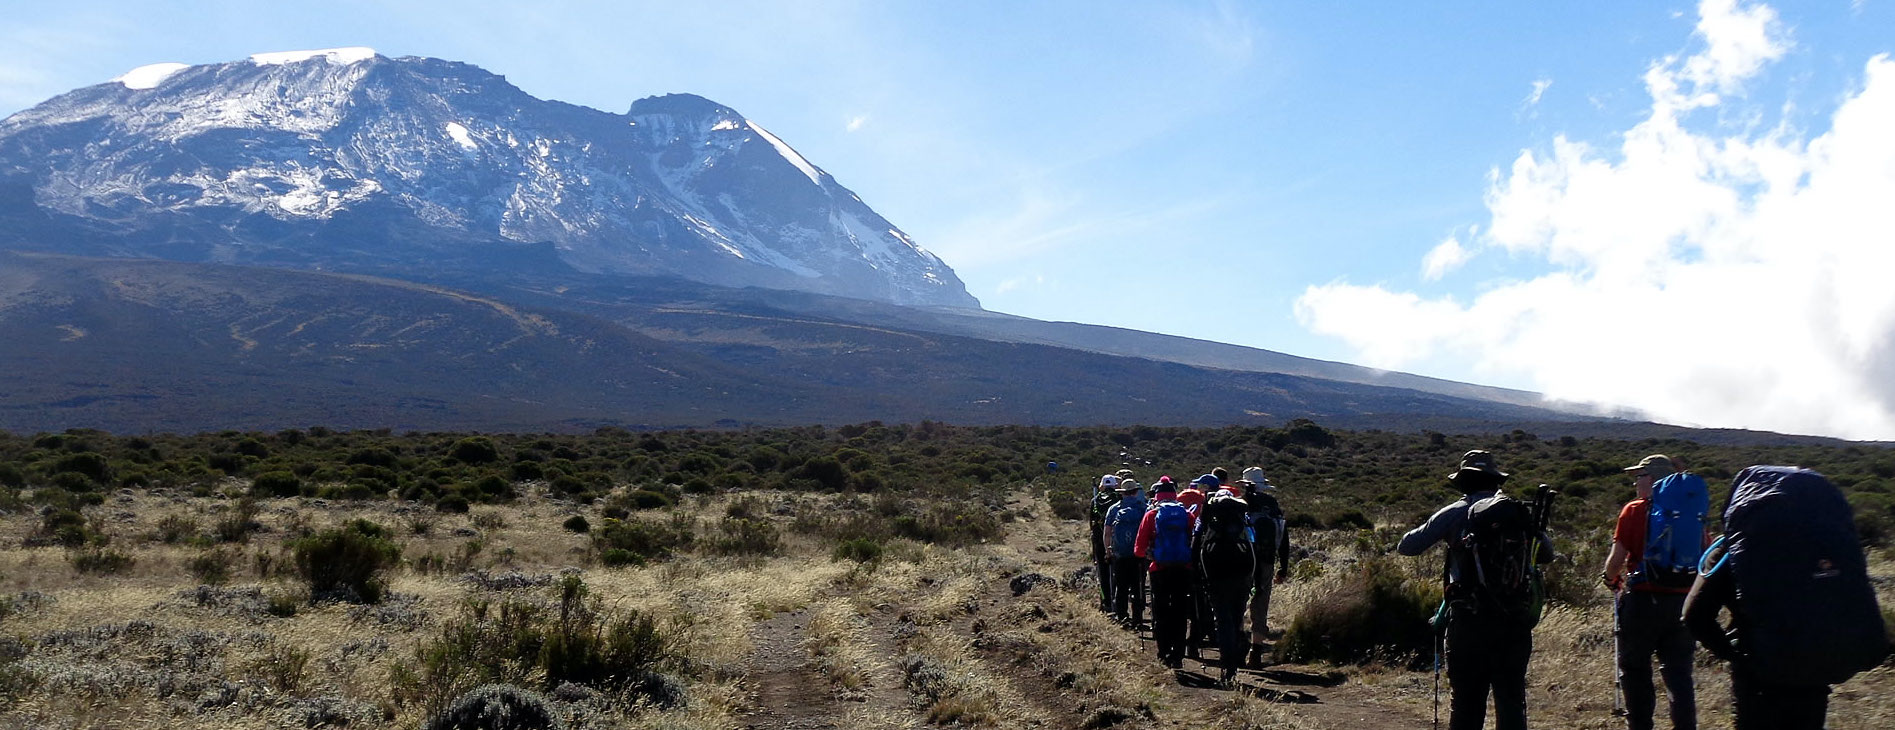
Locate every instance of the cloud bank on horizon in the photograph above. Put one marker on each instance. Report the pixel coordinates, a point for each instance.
(1708, 269)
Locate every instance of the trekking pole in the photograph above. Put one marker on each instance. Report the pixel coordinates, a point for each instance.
(1437, 681)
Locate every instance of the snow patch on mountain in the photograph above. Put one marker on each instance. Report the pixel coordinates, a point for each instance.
(149, 77)
(786, 152)
(339, 56)
(460, 135)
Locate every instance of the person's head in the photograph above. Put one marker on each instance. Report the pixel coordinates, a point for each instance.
(1648, 471)
(1128, 487)
(1222, 474)
(1478, 473)
(1207, 482)
(1164, 489)
(1124, 474)
(1109, 482)
(1254, 479)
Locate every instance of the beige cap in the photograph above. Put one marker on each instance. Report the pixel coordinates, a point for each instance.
(1657, 466)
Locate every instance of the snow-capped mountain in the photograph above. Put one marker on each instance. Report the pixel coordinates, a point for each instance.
(329, 159)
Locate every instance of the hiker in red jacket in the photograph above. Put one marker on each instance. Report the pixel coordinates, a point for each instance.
(1164, 538)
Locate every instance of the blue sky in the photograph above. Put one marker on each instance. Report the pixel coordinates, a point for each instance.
(1268, 174)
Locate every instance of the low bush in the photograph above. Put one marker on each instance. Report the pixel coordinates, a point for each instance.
(276, 484)
(576, 523)
(1376, 615)
(637, 541)
(102, 561)
(346, 563)
(860, 550)
(496, 707)
(212, 567)
(745, 536)
(524, 642)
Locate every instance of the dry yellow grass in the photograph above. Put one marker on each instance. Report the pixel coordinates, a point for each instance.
(149, 649)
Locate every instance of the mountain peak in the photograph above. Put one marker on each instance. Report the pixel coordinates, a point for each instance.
(336, 157)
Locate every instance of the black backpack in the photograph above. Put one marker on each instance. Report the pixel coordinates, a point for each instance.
(1224, 549)
(1808, 611)
(1499, 542)
(1264, 515)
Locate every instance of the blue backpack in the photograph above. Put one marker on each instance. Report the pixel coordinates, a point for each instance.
(1674, 533)
(1171, 541)
(1124, 521)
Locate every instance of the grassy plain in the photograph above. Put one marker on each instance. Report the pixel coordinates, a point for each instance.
(887, 601)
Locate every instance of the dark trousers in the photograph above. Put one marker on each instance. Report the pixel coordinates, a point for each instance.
(1203, 621)
(1647, 624)
(1170, 610)
(1487, 654)
(1128, 587)
(1769, 706)
(1227, 597)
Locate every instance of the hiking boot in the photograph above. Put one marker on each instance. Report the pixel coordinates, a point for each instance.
(1228, 677)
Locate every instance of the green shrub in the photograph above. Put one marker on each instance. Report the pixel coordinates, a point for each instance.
(238, 523)
(346, 563)
(648, 499)
(861, 550)
(453, 503)
(1068, 501)
(576, 523)
(102, 561)
(746, 536)
(1374, 616)
(212, 567)
(474, 450)
(66, 527)
(626, 542)
(276, 484)
(522, 642)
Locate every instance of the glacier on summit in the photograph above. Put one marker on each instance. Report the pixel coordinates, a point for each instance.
(343, 158)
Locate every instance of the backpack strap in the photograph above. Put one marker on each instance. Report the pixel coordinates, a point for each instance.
(1721, 559)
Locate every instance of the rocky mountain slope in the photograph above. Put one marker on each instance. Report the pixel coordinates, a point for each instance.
(348, 160)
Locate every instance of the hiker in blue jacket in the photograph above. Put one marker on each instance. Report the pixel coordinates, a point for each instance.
(1128, 569)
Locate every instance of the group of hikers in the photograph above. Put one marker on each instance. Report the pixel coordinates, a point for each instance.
(1209, 549)
(1788, 570)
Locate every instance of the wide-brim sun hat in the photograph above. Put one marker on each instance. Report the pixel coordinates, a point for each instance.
(1481, 464)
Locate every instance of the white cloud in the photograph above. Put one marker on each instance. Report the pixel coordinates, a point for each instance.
(1539, 90)
(1443, 258)
(856, 122)
(1705, 276)
(1009, 285)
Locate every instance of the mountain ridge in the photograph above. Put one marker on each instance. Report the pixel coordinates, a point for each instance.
(256, 162)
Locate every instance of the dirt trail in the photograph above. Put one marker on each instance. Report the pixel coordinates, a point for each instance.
(789, 694)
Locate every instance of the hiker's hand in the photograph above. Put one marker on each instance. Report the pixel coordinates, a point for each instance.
(1611, 582)
(1282, 577)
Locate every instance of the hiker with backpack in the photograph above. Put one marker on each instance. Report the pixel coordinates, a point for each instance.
(1494, 546)
(1227, 564)
(1203, 620)
(1104, 495)
(1164, 539)
(1656, 544)
(1803, 612)
(1271, 535)
(1128, 569)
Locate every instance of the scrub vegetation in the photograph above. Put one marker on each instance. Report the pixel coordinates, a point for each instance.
(888, 576)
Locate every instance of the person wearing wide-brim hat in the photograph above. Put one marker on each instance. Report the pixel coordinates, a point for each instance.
(1270, 532)
(1648, 618)
(1485, 652)
(1128, 569)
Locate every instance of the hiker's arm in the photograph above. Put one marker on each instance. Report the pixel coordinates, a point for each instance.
(1418, 540)
(1147, 526)
(1615, 566)
(1708, 595)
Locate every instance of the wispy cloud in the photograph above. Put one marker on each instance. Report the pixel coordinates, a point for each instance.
(856, 122)
(1702, 275)
(1537, 92)
(1444, 258)
(1016, 284)
(1040, 222)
